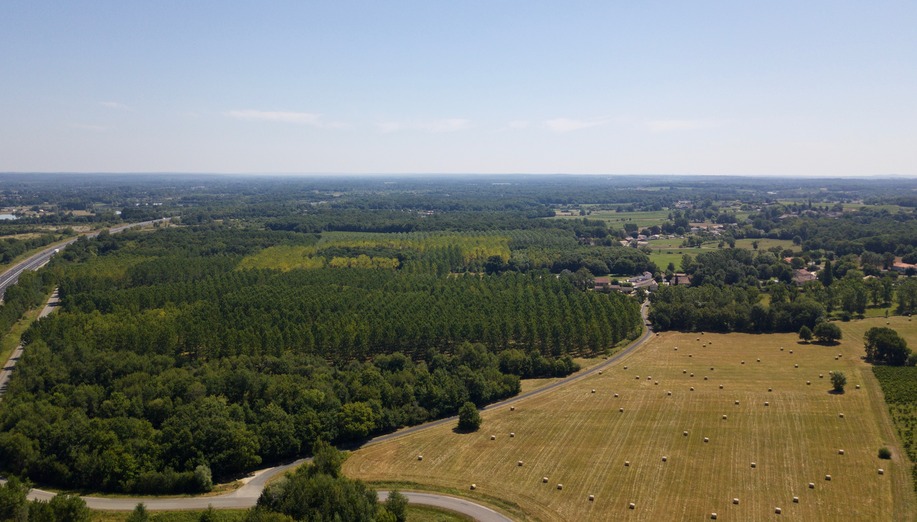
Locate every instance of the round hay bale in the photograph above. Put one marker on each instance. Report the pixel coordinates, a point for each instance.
(827, 477)
(711, 368)
(743, 362)
(698, 338)
(512, 408)
(493, 437)
(781, 348)
(705, 377)
(591, 498)
(712, 516)
(841, 415)
(858, 386)
(796, 500)
(754, 464)
(737, 402)
(735, 501)
(419, 457)
(668, 393)
(821, 376)
(692, 374)
(560, 486)
(684, 371)
(840, 452)
(656, 383)
(593, 390)
(600, 372)
(724, 417)
(759, 360)
(512, 434)
(808, 383)
(706, 439)
(770, 389)
(665, 459)
(676, 348)
(690, 355)
(685, 433)
(626, 463)
(632, 505)
(621, 410)
(831, 372)
(839, 354)
(811, 485)
(649, 377)
(625, 367)
(767, 403)
(721, 386)
(637, 377)
(519, 463)
(544, 480)
(692, 388)
(791, 351)
(777, 511)
(616, 395)
(881, 471)
(474, 486)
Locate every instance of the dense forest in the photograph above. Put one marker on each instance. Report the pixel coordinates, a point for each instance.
(174, 359)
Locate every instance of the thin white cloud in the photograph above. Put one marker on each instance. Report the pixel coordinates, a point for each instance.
(117, 106)
(572, 124)
(434, 126)
(519, 124)
(679, 125)
(299, 118)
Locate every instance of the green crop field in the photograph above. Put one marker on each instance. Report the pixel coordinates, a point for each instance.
(617, 219)
(580, 439)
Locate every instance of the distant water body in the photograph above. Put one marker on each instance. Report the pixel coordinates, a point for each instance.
(7, 216)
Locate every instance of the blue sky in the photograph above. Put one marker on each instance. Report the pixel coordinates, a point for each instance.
(706, 87)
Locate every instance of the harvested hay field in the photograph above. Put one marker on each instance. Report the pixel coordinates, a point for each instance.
(639, 465)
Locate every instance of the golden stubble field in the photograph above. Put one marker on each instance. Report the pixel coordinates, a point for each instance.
(582, 440)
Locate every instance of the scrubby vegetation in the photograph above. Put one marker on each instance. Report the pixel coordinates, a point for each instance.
(901, 397)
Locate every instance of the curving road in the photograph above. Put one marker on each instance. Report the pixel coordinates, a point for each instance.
(247, 495)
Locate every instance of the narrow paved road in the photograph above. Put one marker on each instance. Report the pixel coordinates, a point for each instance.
(247, 495)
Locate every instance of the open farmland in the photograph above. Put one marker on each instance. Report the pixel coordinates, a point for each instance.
(582, 440)
(616, 219)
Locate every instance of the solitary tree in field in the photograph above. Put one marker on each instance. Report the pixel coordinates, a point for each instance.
(838, 380)
(805, 333)
(827, 332)
(469, 418)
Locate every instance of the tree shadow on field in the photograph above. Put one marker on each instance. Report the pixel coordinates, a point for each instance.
(464, 431)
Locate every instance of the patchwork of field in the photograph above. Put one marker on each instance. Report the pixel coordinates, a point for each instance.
(680, 428)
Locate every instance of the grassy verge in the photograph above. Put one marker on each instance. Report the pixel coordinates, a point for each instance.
(506, 506)
(415, 514)
(10, 340)
(30, 253)
(226, 515)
